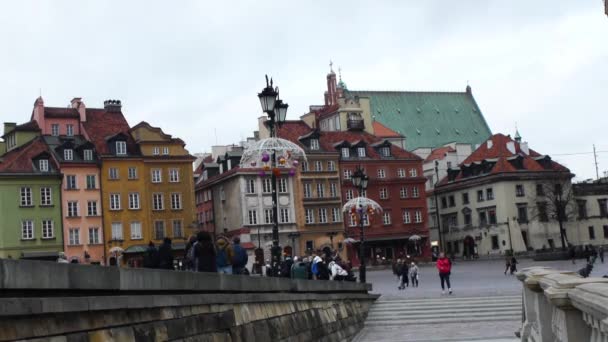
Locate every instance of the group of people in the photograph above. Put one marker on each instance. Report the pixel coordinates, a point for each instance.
(406, 271)
(510, 265)
(588, 252)
(318, 265)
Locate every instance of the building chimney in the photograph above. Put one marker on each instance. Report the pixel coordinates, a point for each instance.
(511, 146)
(332, 84)
(80, 107)
(112, 106)
(468, 90)
(38, 112)
(524, 147)
(263, 130)
(9, 127)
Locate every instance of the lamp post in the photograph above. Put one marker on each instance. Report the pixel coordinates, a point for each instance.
(360, 180)
(276, 111)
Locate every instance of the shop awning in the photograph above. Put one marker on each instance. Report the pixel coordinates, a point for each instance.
(135, 249)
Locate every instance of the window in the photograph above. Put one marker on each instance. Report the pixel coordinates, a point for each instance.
(27, 230)
(582, 209)
(492, 216)
(74, 236)
(361, 152)
(173, 175)
(309, 216)
(489, 194)
(134, 201)
(406, 217)
(88, 154)
(136, 230)
(266, 186)
(383, 193)
(121, 148)
(381, 173)
(465, 198)
(348, 174)
(495, 242)
(483, 218)
(603, 209)
(113, 173)
(365, 220)
(11, 141)
(333, 190)
(349, 194)
(320, 190)
(418, 216)
(345, 152)
(116, 231)
(157, 176)
(46, 197)
(250, 186)
(165, 151)
(403, 192)
(282, 185)
(114, 201)
(253, 217)
(386, 218)
(540, 190)
(352, 220)
(318, 166)
(70, 182)
(413, 172)
(304, 166)
(385, 151)
(284, 214)
(605, 232)
(522, 213)
(479, 195)
(69, 130)
(178, 230)
(415, 192)
(43, 165)
(314, 144)
(307, 190)
(72, 208)
(444, 202)
(449, 165)
(68, 154)
(335, 215)
(91, 208)
(401, 173)
(55, 130)
(91, 182)
(155, 150)
(159, 230)
(93, 236)
(519, 190)
(591, 233)
(132, 173)
(268, 216)
(176, 201)
(331, 166)
(542, 211)
(47, 229)
(322, 215)
(26, 197)
(309, 245)
(452, 201)
(467, 218)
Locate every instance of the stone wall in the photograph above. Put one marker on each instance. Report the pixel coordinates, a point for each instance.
(46, 301)
(562, 306)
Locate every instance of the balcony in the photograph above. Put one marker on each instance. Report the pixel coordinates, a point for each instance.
(355, 124)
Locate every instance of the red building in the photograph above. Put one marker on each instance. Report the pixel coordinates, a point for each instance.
(204, 196)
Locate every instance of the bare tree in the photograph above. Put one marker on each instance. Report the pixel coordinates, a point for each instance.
(555, 201)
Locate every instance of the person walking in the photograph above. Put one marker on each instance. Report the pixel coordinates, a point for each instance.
(507, 264)
(285, 268)
(573, 254)
(413, 273)
(399, 273)
(204, 253)
(224, 255)
(513, 265)
(314, 265)
(600, 252)
(240, 257)
(165, 255)
(444, 266)
(151, 256)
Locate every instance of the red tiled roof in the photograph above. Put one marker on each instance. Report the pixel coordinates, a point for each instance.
(59, 112)
(439, 153)
(382, 131)
(326, 111)
(102, 124)
(19, 160)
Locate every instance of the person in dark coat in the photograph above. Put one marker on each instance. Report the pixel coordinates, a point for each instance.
(151, 256)
(165, 255)
(600, 252)
(513, 265)
(204, 253)
(240, 257)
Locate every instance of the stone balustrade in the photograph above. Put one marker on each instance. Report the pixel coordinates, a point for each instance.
(563, 306)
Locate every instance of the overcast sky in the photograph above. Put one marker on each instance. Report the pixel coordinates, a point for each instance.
(194, 67)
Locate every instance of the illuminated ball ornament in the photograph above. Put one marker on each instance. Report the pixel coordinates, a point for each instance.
(265, 157)
(262, 173)
(266, 168)
(253, 164)
(276, 172)
(292, 172)
(295, 163)
(282, 161)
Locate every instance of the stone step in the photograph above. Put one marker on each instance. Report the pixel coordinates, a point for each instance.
(404, 313)
(447, 298)
(431, 314)
(438, 305)
(443, 320)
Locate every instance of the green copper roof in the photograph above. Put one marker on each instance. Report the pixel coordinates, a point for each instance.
(429, 119)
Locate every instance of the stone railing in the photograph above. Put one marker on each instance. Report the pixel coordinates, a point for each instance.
(563, 306)
(64, 302)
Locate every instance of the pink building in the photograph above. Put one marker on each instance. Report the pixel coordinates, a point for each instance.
(81, 195)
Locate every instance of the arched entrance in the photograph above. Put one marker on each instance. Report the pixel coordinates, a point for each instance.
(468, 247)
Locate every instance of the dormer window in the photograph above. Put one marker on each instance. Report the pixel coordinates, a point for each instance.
(385, 151)
(121, 148)
(55, 130)
(156, 151)
(361, 152)
(314, 144)
(345, 152)
(43, 165)
(69, 130)
(88, 154)
(68, 154)
(165, 151)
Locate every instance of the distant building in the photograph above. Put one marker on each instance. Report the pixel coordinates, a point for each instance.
(591, 223)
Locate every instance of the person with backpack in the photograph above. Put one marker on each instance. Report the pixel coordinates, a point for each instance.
(204, 253)
(513, 265)
(299, 269)
(240, 257)
(151, 256)
(165, 255)
(224, 255)
(444, 266)
(323, 268)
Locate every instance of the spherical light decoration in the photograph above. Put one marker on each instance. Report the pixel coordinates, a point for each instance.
(282, 161)
(266, 168)
(253, 164)
(262, 173)
(295, 163)
(265, 157)
(292, 172)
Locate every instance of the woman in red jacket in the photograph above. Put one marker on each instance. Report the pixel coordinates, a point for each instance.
(444, 265)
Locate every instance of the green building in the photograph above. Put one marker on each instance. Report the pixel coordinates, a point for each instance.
(30, 196)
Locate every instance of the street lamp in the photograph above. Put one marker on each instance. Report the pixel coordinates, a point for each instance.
(276, 111)
(360, 180)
